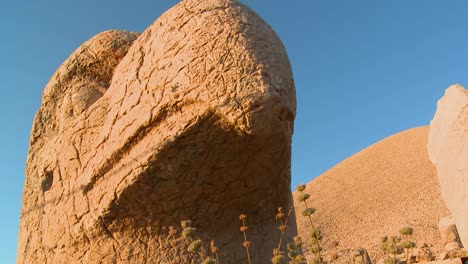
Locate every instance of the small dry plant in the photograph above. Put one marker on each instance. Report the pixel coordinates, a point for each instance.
(407, 244)
(244, 229)
(391, 247)
(294, 248)
(315, 234)
(395, 245)
(189, 242)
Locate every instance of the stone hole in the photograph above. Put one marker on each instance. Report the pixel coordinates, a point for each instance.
(48, 180)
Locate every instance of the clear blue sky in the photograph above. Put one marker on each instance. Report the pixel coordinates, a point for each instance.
(364, 70)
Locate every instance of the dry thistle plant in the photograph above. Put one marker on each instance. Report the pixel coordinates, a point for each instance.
(244, 229)
(294, 249)
(394, 245)
(172, 245)
(295, 252)
(391, 247)
(169, 243)
(214, 250)
(407, 244)
(173, 242)
(315, 234)
(195, 245)
(278, 255)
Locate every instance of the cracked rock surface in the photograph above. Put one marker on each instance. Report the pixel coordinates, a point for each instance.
(448, 150)
(192, 119)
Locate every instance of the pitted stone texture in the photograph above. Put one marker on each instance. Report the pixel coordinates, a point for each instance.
(195, 124)
(51, 207)
(80, 81)
(448, 150)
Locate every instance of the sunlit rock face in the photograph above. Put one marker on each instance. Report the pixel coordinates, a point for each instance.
(192, 119)
(448, 150)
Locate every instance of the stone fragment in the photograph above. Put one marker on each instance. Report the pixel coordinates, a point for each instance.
(451, 246)
(361, 257)
(443, 255)
(448, 230)
(448, 150)
(459, 253)
(423, 253)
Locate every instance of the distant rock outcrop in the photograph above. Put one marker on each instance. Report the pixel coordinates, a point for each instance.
(387, 186)
(448, 150)
(191, 120)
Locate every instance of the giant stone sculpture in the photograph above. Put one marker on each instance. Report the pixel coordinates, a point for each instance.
(190, 120)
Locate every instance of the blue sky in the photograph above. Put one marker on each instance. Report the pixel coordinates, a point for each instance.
(364, 70)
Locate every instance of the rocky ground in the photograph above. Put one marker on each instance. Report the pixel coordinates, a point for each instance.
(387, 186)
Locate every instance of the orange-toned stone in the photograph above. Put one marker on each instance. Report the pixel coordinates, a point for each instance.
(192, 120)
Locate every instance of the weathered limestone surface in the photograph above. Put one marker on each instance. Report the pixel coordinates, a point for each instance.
(448, 150)
(191, 120)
